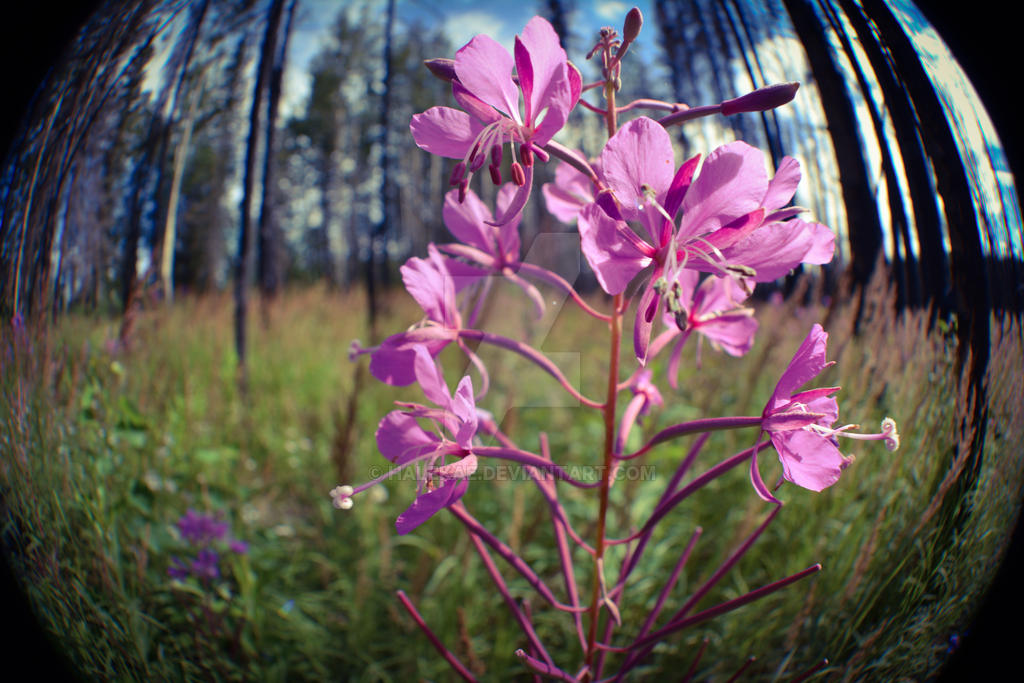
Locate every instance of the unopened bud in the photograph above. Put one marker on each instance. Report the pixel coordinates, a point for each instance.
(762, 99)
(631, 28)
(442, 67)
(495, 174)
(518, 175)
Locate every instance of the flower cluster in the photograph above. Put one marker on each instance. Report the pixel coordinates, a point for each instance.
(204, 533)
(688, 242)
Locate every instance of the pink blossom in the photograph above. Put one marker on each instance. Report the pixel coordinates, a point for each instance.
(433, 287)
(491, 117)
(713, 310)
(730, 220)
(444, 460)
(799, 422)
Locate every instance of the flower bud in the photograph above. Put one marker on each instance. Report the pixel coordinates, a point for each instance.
(442, 67)
(762, 99)
(631, 28)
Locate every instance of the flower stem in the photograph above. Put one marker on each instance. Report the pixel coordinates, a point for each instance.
(609, 448)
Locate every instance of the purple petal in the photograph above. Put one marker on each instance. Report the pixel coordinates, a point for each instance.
(681, 182)
(464, 408)
(639, 154)
(465, 220)
(430, 284)
(445, 131)
(807, 363)
(808, 460)
(401, 439)
(460, 469)
(568, 194)
(548, 82)
(615, 259)
(731, 184)
(782, 187)
(392, 362)
(514, 209)
(484, 67)
(430, 379)
(508, 234)
(775, 249)
(474, 106)
(734, 333)
(646, 313)
(428, 503)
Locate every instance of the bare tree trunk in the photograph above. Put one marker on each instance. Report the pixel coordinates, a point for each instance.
(269, 237)
(863, 224)
(905, 267)
(242, 260)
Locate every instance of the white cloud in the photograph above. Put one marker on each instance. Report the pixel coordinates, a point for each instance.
(612, 10)
(462, 27)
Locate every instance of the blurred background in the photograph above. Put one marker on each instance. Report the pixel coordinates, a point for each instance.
(169, 151)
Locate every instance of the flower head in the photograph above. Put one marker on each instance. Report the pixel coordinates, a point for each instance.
(443, 458)
(433, 287)
(491, 117)
(712, 309)
(799, 423)
(730, 220)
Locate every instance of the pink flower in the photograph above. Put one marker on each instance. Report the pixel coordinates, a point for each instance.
(401, 439)
(570, 192)
(487, 247)
(491, 117)
(730, 218)
(713, 310)
(799, 423)
(429, 282)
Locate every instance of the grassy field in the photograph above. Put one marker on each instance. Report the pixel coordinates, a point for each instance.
(104, 452)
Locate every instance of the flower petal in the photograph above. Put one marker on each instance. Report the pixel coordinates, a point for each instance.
(445, 131)
(808, 460)
(401, 439)
(782, 186)
(484, 67)
(614, 259)
(639, 154)
(465, 220)
(808, 362)
(426, 504)
(732, 183)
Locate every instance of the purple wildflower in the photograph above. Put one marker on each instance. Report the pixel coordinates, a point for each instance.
(800, 423)
(484, 88)
(400, 438)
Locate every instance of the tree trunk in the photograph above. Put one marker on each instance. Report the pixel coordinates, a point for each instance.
(242, 261)
(269, 238)
(863, 226)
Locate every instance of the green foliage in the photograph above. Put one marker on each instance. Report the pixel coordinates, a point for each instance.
(104, 453)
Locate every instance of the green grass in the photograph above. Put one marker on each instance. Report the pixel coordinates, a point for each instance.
(102, 455)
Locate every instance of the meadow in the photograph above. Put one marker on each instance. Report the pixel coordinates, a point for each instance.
(105, 449)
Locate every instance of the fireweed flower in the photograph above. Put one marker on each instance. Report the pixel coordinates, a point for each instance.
(800, 423)
(730, 218)
(571, 190)
(713, 310)
(429, 282)
(443, 460)
(491, 118)
(488, 248)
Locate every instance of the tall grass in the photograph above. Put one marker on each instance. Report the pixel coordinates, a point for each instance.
(103, 453)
